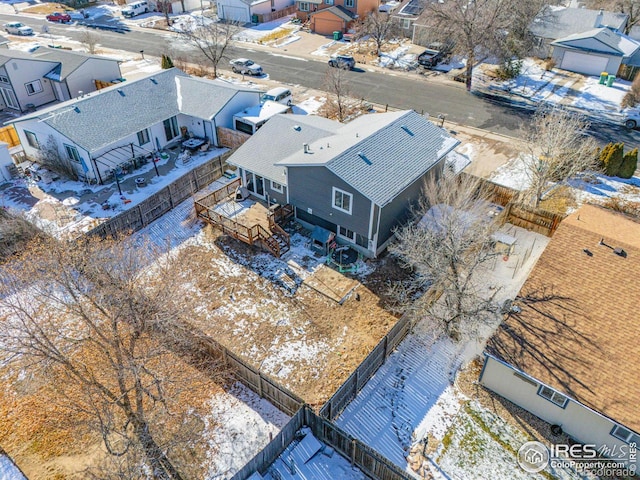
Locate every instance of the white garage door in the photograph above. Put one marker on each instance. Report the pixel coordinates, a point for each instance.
(235, 14)
(583, 63)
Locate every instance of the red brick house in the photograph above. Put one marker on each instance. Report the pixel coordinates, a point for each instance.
(328, 16)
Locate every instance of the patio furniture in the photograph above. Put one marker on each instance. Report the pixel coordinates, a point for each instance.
(193, 143)
(141, 182)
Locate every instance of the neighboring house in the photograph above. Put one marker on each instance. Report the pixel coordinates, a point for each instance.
(48, 75)
(175, 6)
(569, 356)
(553, 23)
(245, 11)
(132, 118)
(409, 15)
(251, 119)
(328, 16)
(357, 180)
(596, 51)
(4, 42)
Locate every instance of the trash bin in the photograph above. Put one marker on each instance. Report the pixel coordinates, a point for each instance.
(603, 78)
(610, 80)
(254, 18)
(337, 35)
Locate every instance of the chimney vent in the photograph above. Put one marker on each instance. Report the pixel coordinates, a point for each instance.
(305, 147)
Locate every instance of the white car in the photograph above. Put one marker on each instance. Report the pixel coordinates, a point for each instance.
(244, 66)
(18, 28)
(632, 119)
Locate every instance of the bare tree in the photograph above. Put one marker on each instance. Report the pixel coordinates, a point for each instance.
(89, 40)
(15, 233)
(479, 28)
(448, 250)
(558, 148)
(630, 7)
(212, 40)
(339, 105)
(378, 26)
(89, 316)
(50, 156)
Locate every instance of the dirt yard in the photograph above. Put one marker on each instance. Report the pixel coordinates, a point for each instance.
(303, 339)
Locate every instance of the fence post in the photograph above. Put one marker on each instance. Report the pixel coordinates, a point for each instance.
(386, 342)
(141, 215)
(260, 384)
(353, 451)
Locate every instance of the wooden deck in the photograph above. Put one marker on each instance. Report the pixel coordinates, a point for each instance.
(331, 284)
(250, 223)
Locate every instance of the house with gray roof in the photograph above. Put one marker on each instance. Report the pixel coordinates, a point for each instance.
(46, 75)
(554, 22)
(245, 11)
(595, 51)
(357, 180)
(132, 119)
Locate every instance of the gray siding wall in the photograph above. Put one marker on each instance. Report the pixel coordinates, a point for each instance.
(398, 211)
(276, 197)
(312, 187)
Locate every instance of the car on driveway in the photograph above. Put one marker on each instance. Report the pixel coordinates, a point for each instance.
(59, 17)
(430, 58)
(17, 28)
(345, 62)
(632, 119)
(245, 66)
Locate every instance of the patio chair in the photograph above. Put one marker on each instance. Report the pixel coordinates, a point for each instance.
(204, 147)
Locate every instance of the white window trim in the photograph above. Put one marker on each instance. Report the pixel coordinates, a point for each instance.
(554, 396)
(144, 132)
(69, 148)
(351, 2)
(406, 23)
(351, 239)
(629, 438)
(36, 85)
(328, 2)
(305, 8)
(333, 200)
(35, 139)
(279, 190)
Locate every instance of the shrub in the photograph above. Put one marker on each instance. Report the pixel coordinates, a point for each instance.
(509, 69)
(629, 164)
(166, 62)
(611, 158)
(549, 64)
(632, 98)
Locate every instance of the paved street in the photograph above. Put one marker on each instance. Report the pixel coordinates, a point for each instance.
(396, 89)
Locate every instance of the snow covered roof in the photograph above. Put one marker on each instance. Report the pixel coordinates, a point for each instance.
(600, 40)
(554, 22)
(264, 111)
(578, 326)
(99, 119)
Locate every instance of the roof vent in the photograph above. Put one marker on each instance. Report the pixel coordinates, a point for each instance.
(121, 93)
(364, 157)
(406, 129)
(305, 147)
(297, 128)
(154, 81)
(620, 252)
(80, 93)
(76, 109)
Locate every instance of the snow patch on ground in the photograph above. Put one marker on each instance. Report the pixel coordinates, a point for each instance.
(256, 33)
(398, 58)
(310, 106)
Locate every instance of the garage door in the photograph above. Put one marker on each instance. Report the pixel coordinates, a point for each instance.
(583, 63)
(326, 26)
(235, 14)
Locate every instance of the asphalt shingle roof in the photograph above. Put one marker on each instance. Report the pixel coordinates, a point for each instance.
(606, 41)
(578, 328)
(379, 155)
(280, 137)
(102, 118)
(339, 11)
(555, 22)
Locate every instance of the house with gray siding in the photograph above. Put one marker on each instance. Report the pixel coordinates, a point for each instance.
(50, 75)
(568, 353)
(132, 118)
(357, 180)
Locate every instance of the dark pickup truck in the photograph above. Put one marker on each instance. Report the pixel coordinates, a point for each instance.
(430, 58)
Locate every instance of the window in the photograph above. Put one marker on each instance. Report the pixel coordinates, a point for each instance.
(553, 396)
(625, 435)
(170, 128)
(406, 23)
(33, 87)
(4, 79)
(276, 187)
(244, 127)
(32, 140)
(143, 136)
(342, 200)
(72, 153)
(304, 6)
(349, 3)
(346, 233)
(328, 2)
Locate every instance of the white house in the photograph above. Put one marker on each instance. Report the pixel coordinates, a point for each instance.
(569, 356)
(251, 119)
(47, 75)
(132, 119)
(243, 11)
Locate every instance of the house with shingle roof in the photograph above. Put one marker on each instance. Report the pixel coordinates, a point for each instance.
(134, 118)
(48, 75)
(568, 353)
(358, 180)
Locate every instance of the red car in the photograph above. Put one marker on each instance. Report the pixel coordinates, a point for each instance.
(59, 17)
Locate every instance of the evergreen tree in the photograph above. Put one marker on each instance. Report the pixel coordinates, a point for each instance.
(612, 158)
(166, 62)
(629, 164)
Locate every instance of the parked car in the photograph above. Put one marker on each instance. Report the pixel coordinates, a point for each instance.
(135, 8)
(430, 58)
(278, 95)
(346, 62)
(18, 28)
(245, 66)
(632, 119)
(59, 17)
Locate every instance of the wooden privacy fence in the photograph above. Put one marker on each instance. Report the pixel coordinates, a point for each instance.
(360, 455)
(9, 135)
(267, 17)
(369, 366)
(538, 221)
(161, 202)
